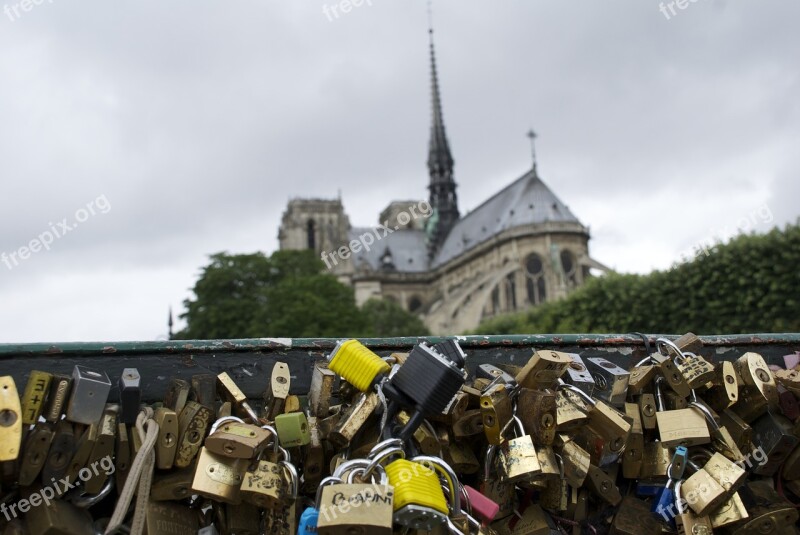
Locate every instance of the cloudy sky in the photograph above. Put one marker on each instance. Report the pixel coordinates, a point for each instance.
(162, 132)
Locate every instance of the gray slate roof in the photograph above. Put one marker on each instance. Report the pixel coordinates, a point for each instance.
(525, 201)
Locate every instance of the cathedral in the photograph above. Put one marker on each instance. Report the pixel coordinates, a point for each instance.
(518, 249)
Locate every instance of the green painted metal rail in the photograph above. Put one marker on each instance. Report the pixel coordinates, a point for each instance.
(250, 361)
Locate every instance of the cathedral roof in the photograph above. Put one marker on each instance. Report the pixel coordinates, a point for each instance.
(525, 201)
(406, 250)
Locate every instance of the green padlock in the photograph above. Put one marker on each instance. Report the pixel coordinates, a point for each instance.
(292, 429)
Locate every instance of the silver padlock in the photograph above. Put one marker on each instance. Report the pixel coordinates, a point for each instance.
(611, 381)
(578, 374)
(89, 394)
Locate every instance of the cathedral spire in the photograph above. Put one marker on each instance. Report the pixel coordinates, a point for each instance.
(442, 187)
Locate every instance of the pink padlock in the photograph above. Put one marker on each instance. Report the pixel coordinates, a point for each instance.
(481, 505)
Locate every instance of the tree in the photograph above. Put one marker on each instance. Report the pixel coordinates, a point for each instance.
(286, 295)
(386, 318)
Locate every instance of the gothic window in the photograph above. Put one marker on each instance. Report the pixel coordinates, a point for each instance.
(311, 234)
(496, 300)
(511, 292)
(534, 275)
(570, 267)
(414, 304)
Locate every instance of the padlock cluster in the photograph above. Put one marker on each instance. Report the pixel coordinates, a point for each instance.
(412, 443)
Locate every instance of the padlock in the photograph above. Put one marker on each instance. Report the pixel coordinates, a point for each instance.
(193, 422)
(130, 395)
(103, 441)
(634, 448)
(696, 370)
(568, 416)
(725, 389)
(162, 518)
(10, 419)
(602, 485)
(788, 403)
(424, 437)
(34, 396)
(495, 488)
(177, 395)
(204, 390)
(83, 448)
(655, 460)
(555, 496)
(543, 369)
(578, 374)
(34, 452)
(518, 459)
(611, 381)
(684, 427)
(56, 404)
(481, 506)
(606, 432)
(576, 462)
(641, 377)
(461, 457)
(271, 485)
(774, 439)
(281, 521)
(277, 390)
(470, 424)
(319, 396)
(356, 508)
(229, 391)
(759, 391)
(537, 409)
(703, 493)
(731, 512)
(292, 429)
(496, 412)
(218, 478)
(310, 516)
(87, 400)
(664, 500)
(740, 431)
(769, 512)
(790, 379)
(353, 419)
(60, 453)
(674, 402)
(633, 518)
(686, 522)
(454, 410)
(727, 473)
(533, 520)
(167, 442)
(647, 410)
(669, 371)
(172, 485)
(418, 502)
(357, 364)
(231, 437)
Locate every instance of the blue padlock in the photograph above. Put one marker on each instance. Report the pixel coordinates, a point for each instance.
(664, 504)
(310, 517)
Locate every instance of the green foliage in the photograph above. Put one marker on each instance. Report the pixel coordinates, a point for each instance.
(386, 318)
(285, 295)
(749, 285)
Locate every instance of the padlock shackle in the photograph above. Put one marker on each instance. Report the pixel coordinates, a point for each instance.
(488, 461)
(659, 394)
(697, 405)
(381, 456)
(224, 419)
(678, 498)
(448, 474)
(663, 346)
(330, 480)
(80, 499)
(293, 478)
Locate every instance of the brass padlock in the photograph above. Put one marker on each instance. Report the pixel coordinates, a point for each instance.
(724, 391)
(537, 409)
(634, 448)
(424, 438)
(103, 441)
(193, 423)
(231, 437)
(740, 431)
(568, 416)
(354, 419)
(720, 436)
(164, 518)
(172, 485)
(641, 378)
(56, 403)
(576, 462)
(177, 395)
(496, 412)
(278, 390)
(496, 488)
(759, 391)
(355, 508)
(204, 390)
(727, 473)
(695, 369)
(647, 410)
(460, 456)
(669, 371)
(769, 512)
(470, 424)
(555, 496)
(37, 445)
(60, 453)
(684, 427)
(167, 442)
(729, 513)
(56, 516)
(703, 493)
(218, 478)
(242, 519)
(271, 485)
(543, 369)
(122, 455)
(687, 522)
(34, 396)
(518, 458)
(10, 419)
(774, 440)
(655, 461)
(314, 460)
(532, 521)
(281, 521)
(602, 485)
(230, 391)
(634, 518)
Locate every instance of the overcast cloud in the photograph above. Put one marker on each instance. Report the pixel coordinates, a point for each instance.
(198, 120)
